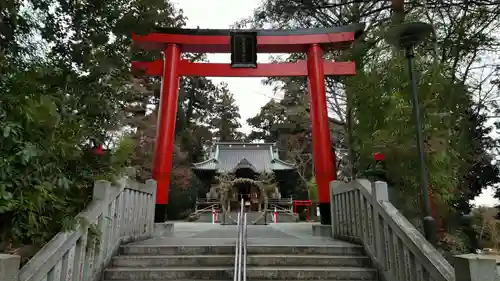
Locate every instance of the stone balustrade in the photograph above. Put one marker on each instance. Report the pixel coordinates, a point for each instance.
(117, 214)
(362, 213)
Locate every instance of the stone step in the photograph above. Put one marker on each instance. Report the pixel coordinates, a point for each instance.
(170, 273)
(177, 250)
(258, 218)
(310, 273)
(173, 260)
(253, 273)
(335, 250)
(228, 260)
(232, 280)
(307, 260)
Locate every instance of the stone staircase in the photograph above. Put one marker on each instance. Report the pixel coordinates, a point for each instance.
(264, 262)
(190, 262)
(340, 262)
(123, 213)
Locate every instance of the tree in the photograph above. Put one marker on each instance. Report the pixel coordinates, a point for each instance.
(194, 112)
(47, 169)
(65, 83)
(454, 86)
(265, 123)
(299, 150)
(288, 123)
(225, 121)
(196, 101)
(487, 227)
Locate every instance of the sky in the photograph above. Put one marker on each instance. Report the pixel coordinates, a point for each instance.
(249, 93)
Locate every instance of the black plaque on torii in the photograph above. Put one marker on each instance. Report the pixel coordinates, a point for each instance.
(243, 49)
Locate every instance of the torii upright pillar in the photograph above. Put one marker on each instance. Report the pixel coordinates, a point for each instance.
(165, 131)
(244, 46)
(324, 165)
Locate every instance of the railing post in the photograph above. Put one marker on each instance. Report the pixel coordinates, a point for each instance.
(334, 208)
(379, 193)
(151, 187)
(102, 191)
(9, 267)
(472, 267)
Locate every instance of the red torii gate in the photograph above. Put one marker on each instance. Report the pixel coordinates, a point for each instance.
(244, 46)
(303, 203)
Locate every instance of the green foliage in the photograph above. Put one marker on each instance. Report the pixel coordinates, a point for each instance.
(63, 83)
(455, 89)
(225, 121)
(65, 80)
(46, 172)
(452, 244)
(206, 113)
(487, 227)
(312, 188)
(286, 122)
(383, 110)
(184, 186)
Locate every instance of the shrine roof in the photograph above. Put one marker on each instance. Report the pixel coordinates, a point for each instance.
(228, 156)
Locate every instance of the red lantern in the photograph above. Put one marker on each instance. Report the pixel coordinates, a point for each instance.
(378, 156)
(96, 148)
(99, 150)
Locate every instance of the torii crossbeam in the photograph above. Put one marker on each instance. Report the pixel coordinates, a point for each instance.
(313, 42)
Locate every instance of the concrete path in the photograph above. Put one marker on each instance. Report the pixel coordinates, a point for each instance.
(197, 233)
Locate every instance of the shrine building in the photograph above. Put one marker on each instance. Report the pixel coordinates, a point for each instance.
(244, 161)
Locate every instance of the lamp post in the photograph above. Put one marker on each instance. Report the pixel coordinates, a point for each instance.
(406, 36)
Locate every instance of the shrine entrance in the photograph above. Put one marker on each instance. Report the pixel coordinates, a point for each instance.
(251, 195)
(244, 45)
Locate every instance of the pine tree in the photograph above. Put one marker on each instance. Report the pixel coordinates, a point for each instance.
(225, 121)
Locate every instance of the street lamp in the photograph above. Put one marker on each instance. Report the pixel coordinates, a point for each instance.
(406, 36)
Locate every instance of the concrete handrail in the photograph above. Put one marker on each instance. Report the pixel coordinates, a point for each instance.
(121, 213)
(361, 212)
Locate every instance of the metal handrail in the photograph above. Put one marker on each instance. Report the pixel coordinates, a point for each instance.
(281, 210)
(244, 236)
(205, 209)
(239, 244)
(237, 249)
